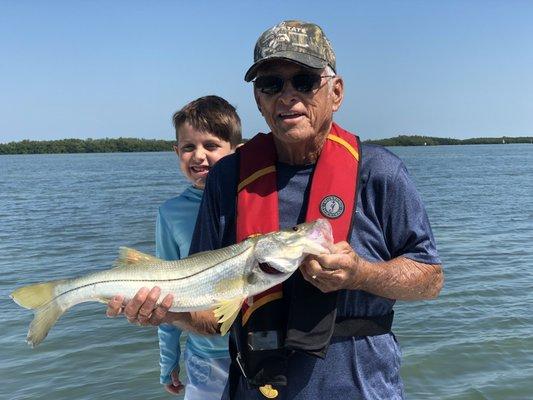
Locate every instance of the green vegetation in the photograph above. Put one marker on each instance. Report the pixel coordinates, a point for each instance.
(415, 140)
(107, 145)
(123, 145)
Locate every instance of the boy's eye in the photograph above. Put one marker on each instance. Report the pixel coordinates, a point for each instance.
(211, 146)
(187, 148)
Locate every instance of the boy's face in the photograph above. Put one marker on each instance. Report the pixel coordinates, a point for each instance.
(198, 152)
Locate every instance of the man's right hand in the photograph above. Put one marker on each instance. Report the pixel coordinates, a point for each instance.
(142, 309)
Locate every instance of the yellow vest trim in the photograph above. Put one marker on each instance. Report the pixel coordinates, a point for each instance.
(261, 302)
(344, 143)
(256, 175)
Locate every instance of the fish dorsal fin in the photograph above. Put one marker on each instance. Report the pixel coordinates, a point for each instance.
(226, 311)
(130, 257)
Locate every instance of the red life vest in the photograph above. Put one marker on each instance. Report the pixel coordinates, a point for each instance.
(332, 195)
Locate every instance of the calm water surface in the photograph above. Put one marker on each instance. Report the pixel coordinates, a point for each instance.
(65, 215)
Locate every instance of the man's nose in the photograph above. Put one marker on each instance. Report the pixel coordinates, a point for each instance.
(288, 94)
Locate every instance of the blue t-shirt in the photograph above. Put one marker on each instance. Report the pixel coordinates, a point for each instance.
(174, 227)
(390, 222)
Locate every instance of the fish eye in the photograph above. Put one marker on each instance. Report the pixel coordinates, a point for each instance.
(295, 228)
(251, 278)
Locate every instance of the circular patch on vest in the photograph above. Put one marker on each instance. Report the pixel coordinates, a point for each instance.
(332, 207)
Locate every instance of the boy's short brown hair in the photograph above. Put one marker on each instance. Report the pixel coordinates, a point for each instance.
(211, 114)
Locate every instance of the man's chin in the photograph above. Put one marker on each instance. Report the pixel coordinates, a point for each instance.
(293, 135)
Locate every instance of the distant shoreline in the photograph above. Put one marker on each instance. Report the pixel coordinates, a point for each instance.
(416, 140)
(72, 146)
(129, 145)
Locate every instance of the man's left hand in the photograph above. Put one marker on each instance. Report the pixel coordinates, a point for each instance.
(335, 271)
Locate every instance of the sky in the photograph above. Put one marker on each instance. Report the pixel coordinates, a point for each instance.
(94, 69)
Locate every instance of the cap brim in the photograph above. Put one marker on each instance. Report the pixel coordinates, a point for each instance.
(305, 60)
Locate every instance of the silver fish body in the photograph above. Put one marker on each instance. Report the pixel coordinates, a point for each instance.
(220, 280)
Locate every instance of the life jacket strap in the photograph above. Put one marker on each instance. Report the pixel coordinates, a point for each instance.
(363, 326)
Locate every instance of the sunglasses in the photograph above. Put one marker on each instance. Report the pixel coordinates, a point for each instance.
(303, 83)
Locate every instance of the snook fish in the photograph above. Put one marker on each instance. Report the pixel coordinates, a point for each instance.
(220, 279)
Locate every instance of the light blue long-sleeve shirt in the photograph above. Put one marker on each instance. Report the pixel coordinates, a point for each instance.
(174, 227)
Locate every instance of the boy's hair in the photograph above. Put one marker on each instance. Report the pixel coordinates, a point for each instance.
(211, 114)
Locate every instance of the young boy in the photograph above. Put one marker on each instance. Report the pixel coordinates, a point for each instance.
(207, 129)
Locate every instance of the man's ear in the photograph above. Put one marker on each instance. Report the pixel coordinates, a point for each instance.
(337, 92)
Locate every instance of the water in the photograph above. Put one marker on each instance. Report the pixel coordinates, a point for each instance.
(64, 215)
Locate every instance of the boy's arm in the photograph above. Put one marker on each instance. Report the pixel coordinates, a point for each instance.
(169, 351)
(169, 335)
(166, 247)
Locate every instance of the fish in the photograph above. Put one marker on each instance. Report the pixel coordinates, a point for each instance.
(219, 280)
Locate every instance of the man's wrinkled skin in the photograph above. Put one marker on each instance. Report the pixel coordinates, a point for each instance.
(399, 278)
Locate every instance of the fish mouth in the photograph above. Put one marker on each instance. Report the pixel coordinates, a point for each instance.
(267, 269)
(321, 238)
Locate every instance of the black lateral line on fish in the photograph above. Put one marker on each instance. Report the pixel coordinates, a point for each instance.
(144, 280)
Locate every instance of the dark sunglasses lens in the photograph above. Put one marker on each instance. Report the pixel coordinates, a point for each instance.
(269, 84)
(305, 82)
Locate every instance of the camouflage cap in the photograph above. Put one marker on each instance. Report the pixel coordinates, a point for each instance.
(301, 42)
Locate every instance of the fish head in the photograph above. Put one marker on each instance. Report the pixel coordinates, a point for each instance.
(284, 251)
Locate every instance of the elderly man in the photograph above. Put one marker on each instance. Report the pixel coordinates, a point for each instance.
(326, 333)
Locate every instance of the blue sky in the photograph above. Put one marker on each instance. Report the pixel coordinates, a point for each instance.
(121, 68)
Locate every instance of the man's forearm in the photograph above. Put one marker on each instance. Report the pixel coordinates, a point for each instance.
(201, 322)
(400, 279)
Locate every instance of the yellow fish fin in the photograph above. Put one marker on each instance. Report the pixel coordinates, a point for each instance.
(34, 296)
(42, 299)
(226, 311)
(129, 257)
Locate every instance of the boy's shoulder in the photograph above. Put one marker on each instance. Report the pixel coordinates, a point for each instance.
(171, 203)
(188, 196)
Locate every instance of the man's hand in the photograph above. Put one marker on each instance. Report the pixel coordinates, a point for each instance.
(335, 271)
(400, 278)
(176, 386)
(142, 309)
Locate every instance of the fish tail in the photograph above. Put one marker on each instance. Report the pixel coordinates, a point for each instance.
(41, 298)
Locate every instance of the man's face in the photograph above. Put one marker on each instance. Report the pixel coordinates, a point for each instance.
(294, 116)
